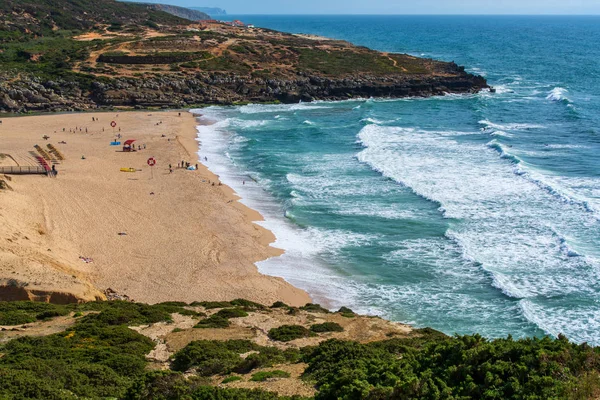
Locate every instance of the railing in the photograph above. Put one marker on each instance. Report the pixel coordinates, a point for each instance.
(22, 170)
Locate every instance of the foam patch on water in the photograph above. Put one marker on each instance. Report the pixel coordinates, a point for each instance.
(278, 108)
(500, 219)
(558, 94)
(510, 126)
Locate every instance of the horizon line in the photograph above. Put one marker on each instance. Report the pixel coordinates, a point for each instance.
(413, 15)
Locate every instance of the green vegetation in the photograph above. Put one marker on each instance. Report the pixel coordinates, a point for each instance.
(327, 327)
(433, 366)
(43, 17)
(18, 313)
(154, 58)
(279, 304)
(346, 312)
(314, 308)
(246, 304)
(100, 357)
(214, 321)
(109, 312)
(231, 313)
(171, 386)
(286, 333)
(265, 375)
(344, 62)
(212, 357)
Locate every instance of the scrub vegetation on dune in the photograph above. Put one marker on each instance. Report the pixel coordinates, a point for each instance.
(100, 356)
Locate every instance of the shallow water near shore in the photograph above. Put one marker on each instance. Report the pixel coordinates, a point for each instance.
(476, 213)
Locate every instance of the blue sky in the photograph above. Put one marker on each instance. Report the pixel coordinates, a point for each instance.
(396, 6)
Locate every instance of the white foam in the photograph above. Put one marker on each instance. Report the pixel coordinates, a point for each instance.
(510, 126)
(500, 219)
(278, 108)
(558, 94)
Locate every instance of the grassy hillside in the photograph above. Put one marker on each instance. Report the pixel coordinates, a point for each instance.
(23, 19)
(110, 350)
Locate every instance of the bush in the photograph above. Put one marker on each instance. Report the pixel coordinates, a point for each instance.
(286, 333)
(211, 357)
(346, 312)
(212, 304)
(231, 313)
(279, 304)
(91, 360)
(213, 321)
(23, 312)
(247, 304)
(264, 375)
(314, 308)
(327, 327)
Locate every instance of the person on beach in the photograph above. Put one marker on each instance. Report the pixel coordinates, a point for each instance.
(196, 167)
(205, 159)
(54, 171)
(243, 182)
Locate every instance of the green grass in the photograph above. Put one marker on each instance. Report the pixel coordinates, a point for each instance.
(265, 375)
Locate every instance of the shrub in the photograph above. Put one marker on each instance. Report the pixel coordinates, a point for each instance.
(231, 313)
(314, 308)
(22, 312)
(346, 312)
(213, 321)
(211, 357)
(286, 333)
(212, 304)
(279, 304)
(327, 327)
(247, 304)
(264, 375)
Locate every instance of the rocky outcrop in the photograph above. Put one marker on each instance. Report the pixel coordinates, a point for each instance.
(36, 94)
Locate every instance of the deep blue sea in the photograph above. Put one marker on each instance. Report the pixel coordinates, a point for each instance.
(475, 213)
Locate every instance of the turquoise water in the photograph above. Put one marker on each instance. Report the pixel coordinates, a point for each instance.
(475, 213)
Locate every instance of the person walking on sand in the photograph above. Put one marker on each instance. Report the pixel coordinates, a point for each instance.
(196, 167)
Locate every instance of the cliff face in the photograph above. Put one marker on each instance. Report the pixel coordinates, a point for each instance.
(168, 91)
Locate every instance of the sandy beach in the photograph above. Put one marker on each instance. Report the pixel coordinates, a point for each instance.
(151, 234)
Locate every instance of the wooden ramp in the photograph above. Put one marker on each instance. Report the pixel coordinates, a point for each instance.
(24, 170)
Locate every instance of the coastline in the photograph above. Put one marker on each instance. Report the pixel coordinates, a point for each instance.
(183, 239)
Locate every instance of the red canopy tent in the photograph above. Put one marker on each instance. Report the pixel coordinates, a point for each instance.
(127, 146)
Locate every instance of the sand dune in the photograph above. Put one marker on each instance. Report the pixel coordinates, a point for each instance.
(151, 234)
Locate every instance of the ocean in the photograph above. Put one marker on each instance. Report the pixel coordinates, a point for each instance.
(468, 214)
